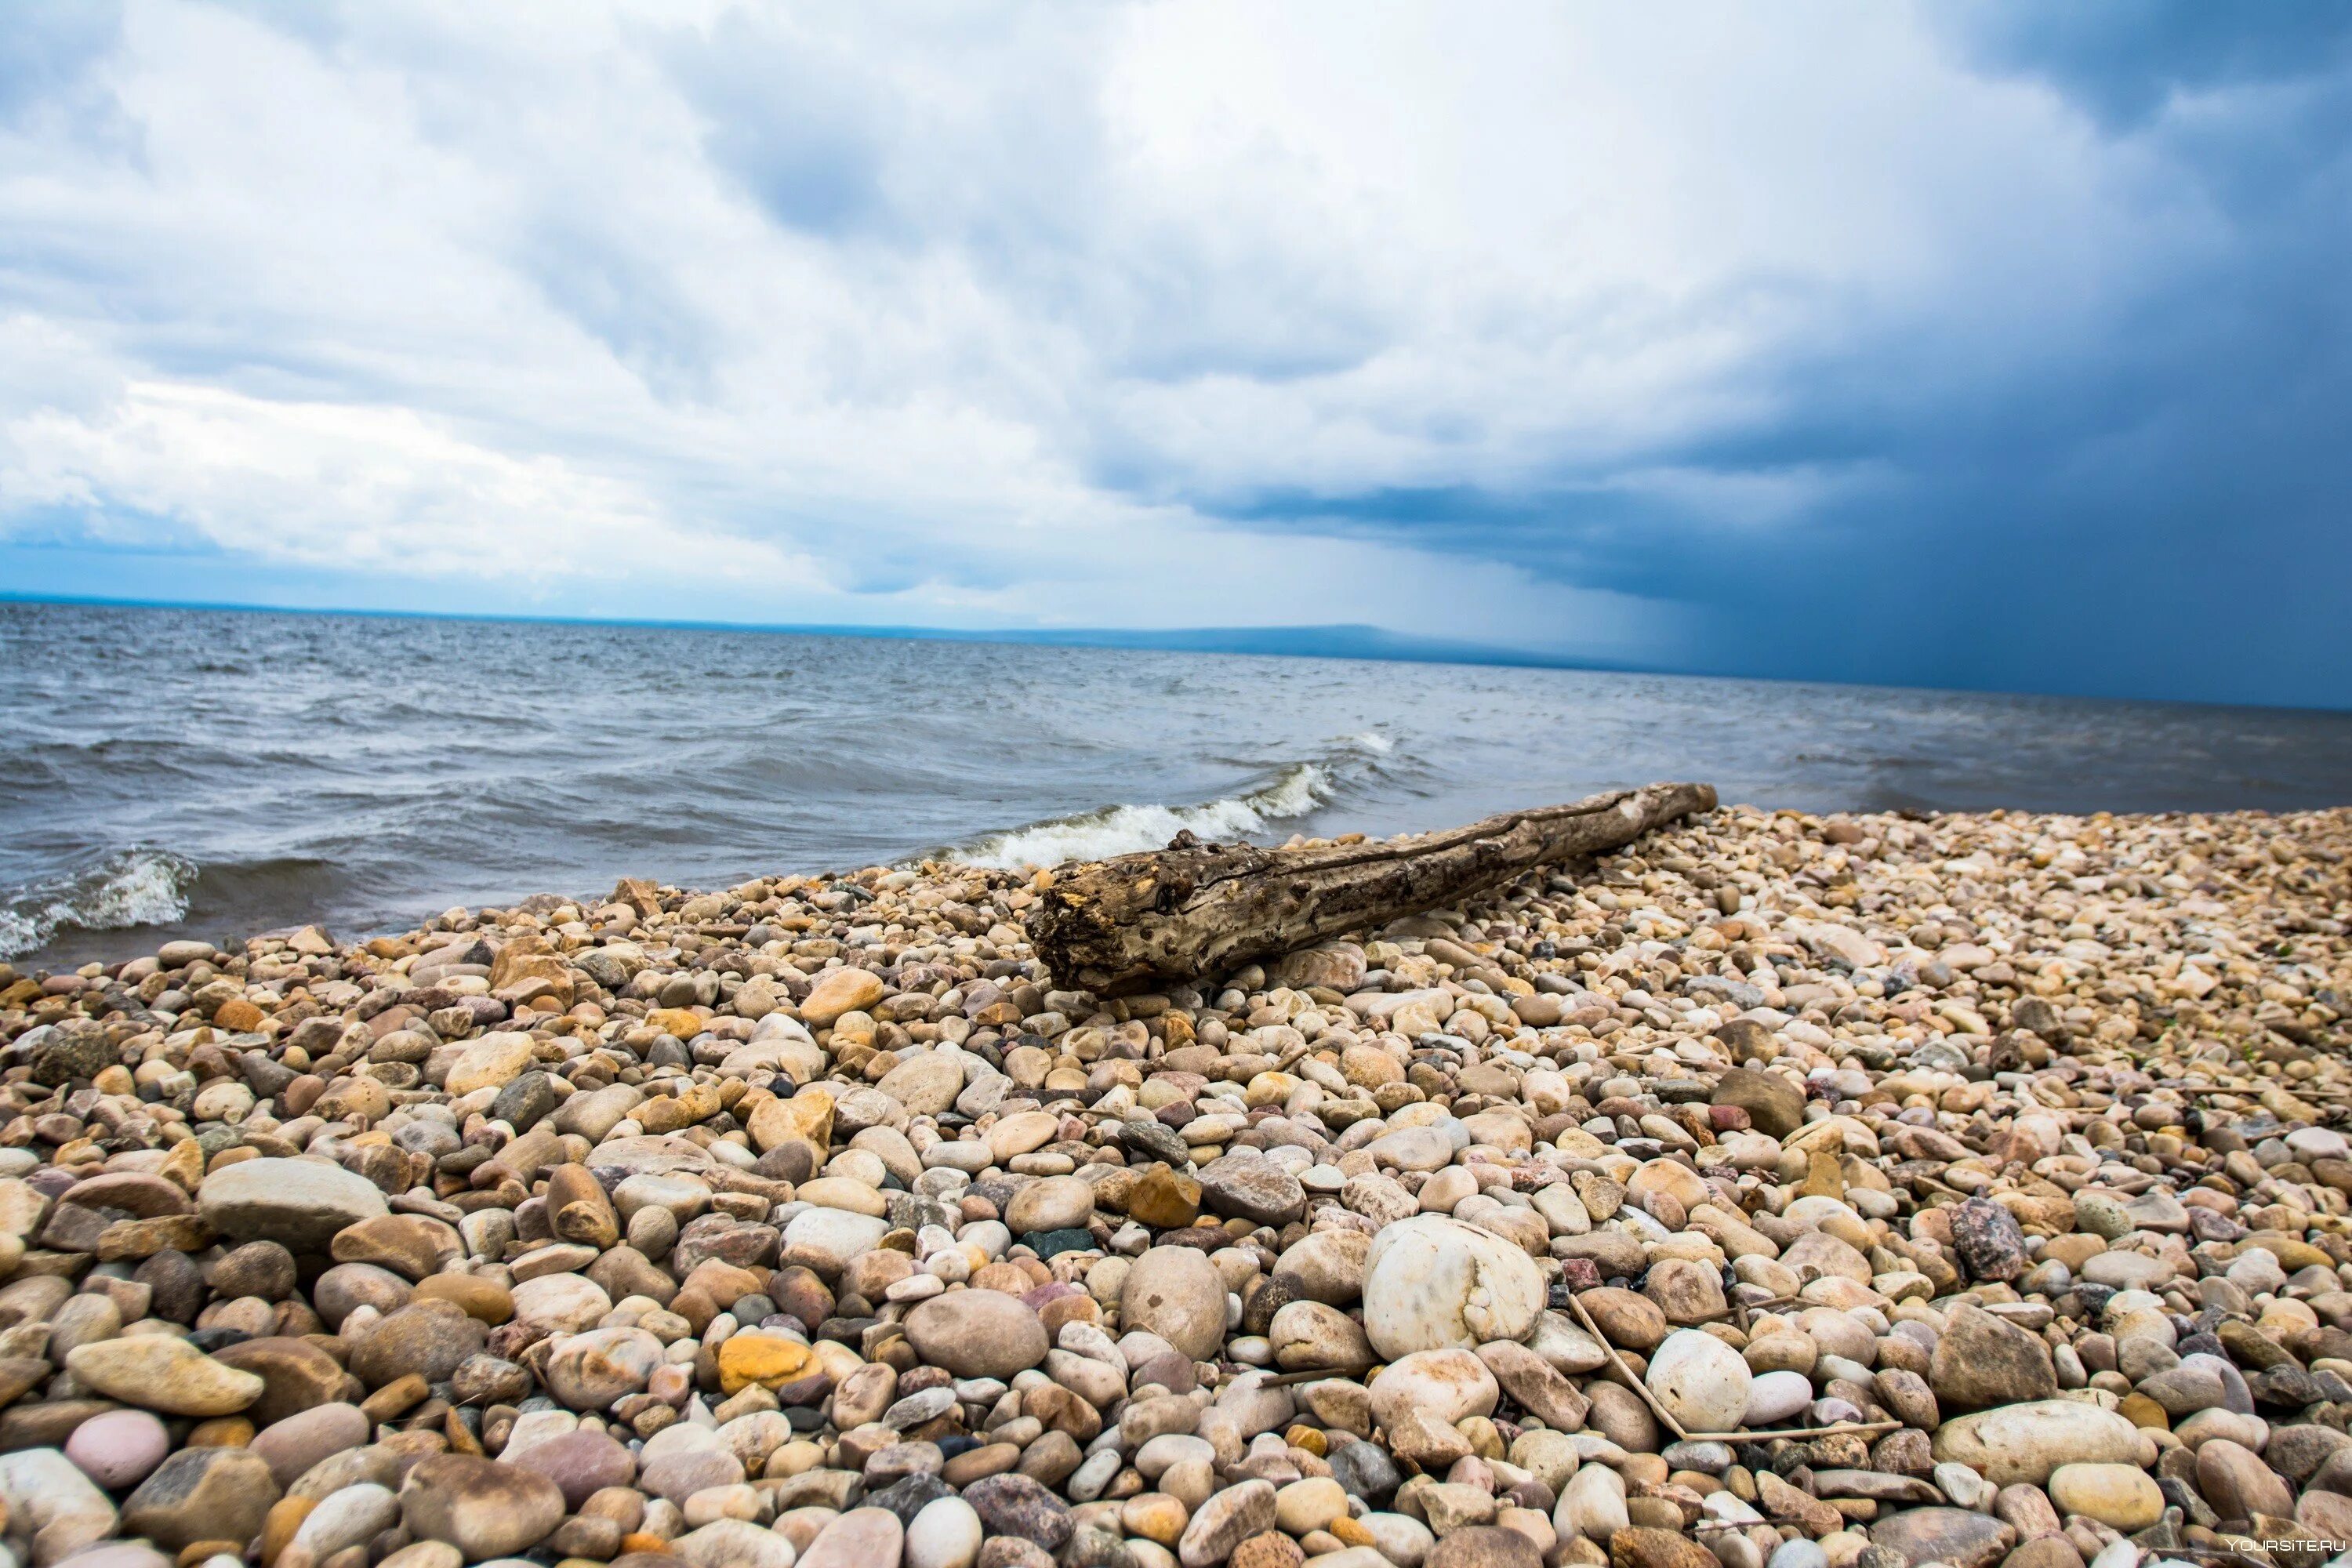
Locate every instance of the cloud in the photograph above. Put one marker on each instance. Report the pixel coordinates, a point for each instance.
(2126, 63)
(1990, 345)
(350, 488)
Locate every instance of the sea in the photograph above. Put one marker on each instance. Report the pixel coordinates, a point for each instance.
(169, 772)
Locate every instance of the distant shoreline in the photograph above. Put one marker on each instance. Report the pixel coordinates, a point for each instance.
(1354, 643)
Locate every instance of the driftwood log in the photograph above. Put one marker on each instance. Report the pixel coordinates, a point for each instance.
(1194, 909)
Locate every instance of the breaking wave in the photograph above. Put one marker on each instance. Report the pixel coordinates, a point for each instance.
(1294, 792)
(137, 887)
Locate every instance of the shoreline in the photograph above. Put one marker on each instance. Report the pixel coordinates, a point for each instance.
(677, 1226)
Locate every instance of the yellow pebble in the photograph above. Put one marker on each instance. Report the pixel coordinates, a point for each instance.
(681, 1022)
(769, 1359)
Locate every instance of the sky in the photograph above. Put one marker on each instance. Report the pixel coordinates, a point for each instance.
(1986, 345)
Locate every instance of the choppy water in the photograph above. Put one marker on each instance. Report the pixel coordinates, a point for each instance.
(213, 773)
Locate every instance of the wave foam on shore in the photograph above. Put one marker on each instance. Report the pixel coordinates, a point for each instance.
(136, 887)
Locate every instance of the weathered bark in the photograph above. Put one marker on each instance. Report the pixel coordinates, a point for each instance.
(1197, 909)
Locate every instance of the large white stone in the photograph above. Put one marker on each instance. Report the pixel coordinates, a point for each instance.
(560, 1303)
(2014, 1444)
(304, 1203)
(945, 1535)
(1399, 1537)
(827, 1239)
(1592, 1505)
(1433, 1282)
(1702, 1382)
(925, 1083)
(495, 1060)
(1177, 1293)
(51, 1503)
(862, 1538)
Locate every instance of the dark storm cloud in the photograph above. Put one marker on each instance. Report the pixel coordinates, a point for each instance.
(2125, 60)
(2156, 501)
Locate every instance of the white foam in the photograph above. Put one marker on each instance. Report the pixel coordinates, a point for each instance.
(132, 887)
(1296, 792)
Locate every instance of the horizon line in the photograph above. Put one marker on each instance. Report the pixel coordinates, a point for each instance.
(1404, 647)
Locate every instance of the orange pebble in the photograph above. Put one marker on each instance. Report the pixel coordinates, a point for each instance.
(278, 1527)
(222, 1432)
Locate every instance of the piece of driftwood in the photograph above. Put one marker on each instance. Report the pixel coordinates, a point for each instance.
(1835, 1429)
(1195, 911)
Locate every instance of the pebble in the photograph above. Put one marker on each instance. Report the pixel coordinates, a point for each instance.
(978, 1333)
(1432, 1281)
(1176, 1293)
(1484, 1546)
(1647, 1546)
(162, 1372)
(2024, 1443)
(201, 1494)
(1701, 1380)
(592, 1369)
(1225, 1522)
(303, 1204)
(946, 1533)
(580, 1463)
(119, 1448)
(1056, 1202)
(2122, 1497)
(726, 1542)
(346, 1519)
(1018, 1506)
(1449, 1385)
(479, 1506)
(1949, 1535)
(1592, 1505)
(1774, 1397)
(862, 1538)
(1980, 1361)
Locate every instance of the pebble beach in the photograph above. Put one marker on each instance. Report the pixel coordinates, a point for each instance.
(1782, 1191)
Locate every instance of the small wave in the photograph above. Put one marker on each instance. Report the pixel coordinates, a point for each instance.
(135, 887)
(1122, 829)
(1296, 791)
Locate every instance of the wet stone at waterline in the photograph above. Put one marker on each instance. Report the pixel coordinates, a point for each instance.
(1779, 1192)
